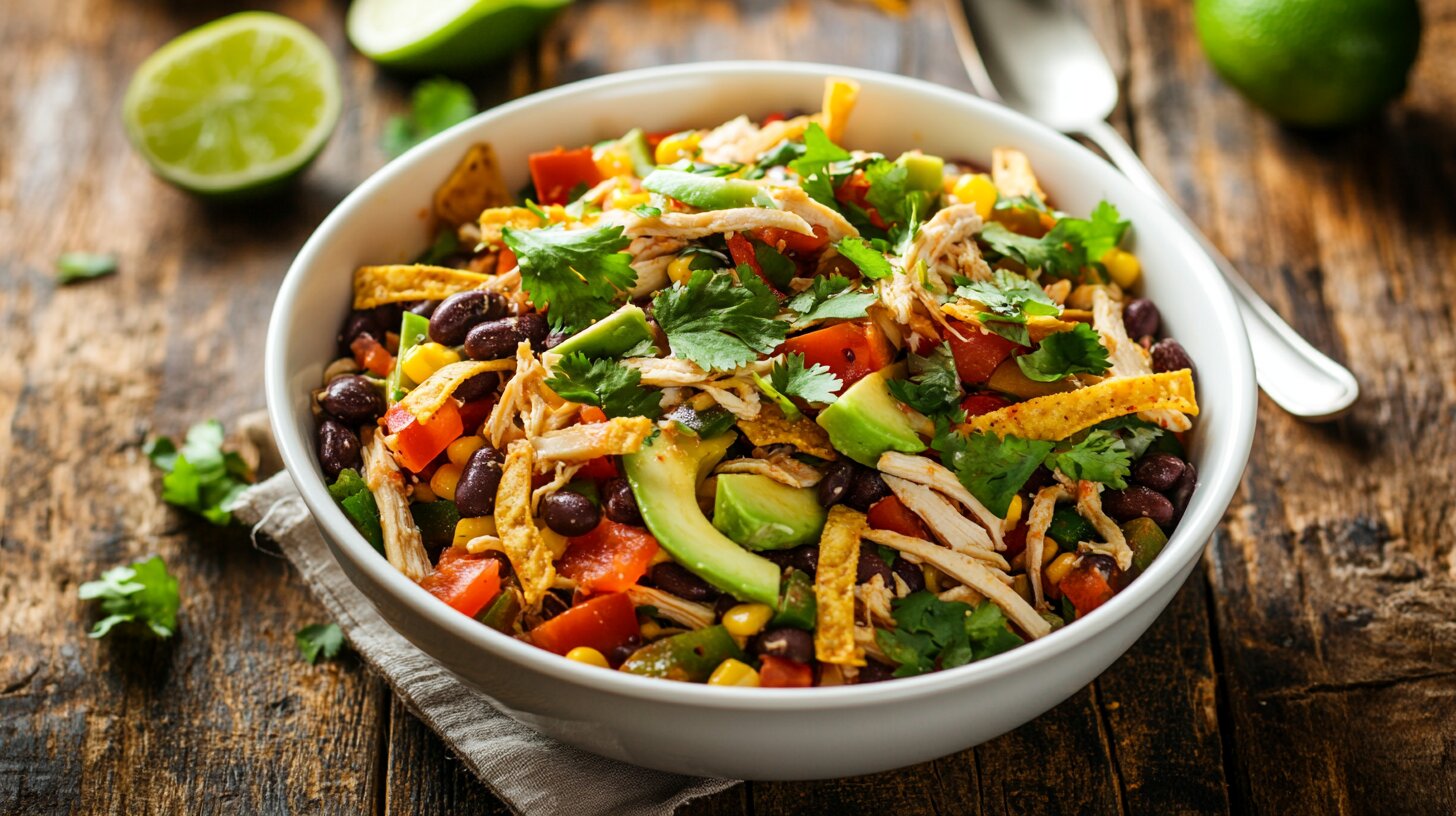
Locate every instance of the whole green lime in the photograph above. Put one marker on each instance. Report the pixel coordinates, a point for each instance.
(1312, 63)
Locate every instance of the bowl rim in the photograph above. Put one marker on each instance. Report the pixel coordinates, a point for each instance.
(1227, 460)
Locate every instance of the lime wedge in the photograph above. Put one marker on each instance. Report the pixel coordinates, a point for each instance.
(234, 107)
(444, 35)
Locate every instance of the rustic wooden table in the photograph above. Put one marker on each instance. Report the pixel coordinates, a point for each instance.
(1307, 668)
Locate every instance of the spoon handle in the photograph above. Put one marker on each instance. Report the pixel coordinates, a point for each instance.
(1297, 376)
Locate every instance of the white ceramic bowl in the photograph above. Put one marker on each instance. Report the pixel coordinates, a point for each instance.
(761, 733)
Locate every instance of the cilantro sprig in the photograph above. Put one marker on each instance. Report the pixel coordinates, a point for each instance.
(826, 298)
(607, 384)
(319, 640)
(72, 267)
(872, 263)
(436, 105)
(789, 377)
(934, 387)
(1061, 354)
(142, 593)
(1099, 457)
(580, 274)
(930, 633)
(1071, 244)
(995, 468)
(813, 166)
(1009, 299)
(201, 476)
(720, 320)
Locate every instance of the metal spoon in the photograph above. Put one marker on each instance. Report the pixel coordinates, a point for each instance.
(1039, 58)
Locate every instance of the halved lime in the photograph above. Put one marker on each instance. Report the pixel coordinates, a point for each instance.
(234, 107)
(444, 35)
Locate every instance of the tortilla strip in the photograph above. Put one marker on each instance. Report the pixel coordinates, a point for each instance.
(691, 226)
(494, 221)
(403, 546)
(475, 184)
(525, 547)
(770, 427)
(403, 283)
(839, 98)
(834, 588)
(1040, 327)
(581, 443)
(968, 571)
(428, 396)
(1058, 416)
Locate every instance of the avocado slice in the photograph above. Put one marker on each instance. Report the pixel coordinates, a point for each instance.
(612, 336)
(664, 476)
(762, 514)
(866, 421)
(922, 171)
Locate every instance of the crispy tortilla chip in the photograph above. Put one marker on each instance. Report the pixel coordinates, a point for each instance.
(494, 221)
(839, 99)
(1012, 175)
(834, 588)
(401, 283)
(1058, 416)
(475, 184)
(527, 550)
(429, 395)
(581, 443)
(770, 427)
(1038, 326)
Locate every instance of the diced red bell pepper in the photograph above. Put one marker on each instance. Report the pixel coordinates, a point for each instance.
(1086, 587)
(855, 190)
(505, 261)
(742, 252)
(793, 241)
(474, 413)
(610, 558)
(781, 672)
(891, 514)
(977, 404)
(773, 117)
(850, 350)
(418, 443)
(603, 623)
(590, 415)
(557, 172)
(976, 352)
(371, 355)
(1015, 540)
(466, 582)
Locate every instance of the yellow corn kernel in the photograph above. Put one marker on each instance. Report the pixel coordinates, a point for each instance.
(467, 529)
(977, 189)
(1058, 569)
(682, 145)
(747, 620)
(424, 359)
(623, 200)
(679, 270)
(589, 656)
(444, 481)
(1123, 267)
(613, 161)
(1013, 513)
(422, 493)
(650, 629)
(733, 672)
(702, 402)
(932, 578)
(459, 451)
(660, 557)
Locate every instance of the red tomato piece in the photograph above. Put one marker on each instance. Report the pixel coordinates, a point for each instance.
(610, 558)
(599, 469)
(505, 261)
(977, 404)
(372, 356)
(798, 242)
(474, 413)
(850, 350)
(1086, 587)
(891, 514)
(466, 582)
(781, 672)
(557, 172)
(976, 352)
(603, 623)
(1015, 540)
(774, 117)
(418, 443)
(855, 190)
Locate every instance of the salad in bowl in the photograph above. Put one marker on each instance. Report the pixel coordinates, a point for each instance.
(747, 406)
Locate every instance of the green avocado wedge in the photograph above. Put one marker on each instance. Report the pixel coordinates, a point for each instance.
(762, 514)
(612, 336)
(664, 476)
(866, 421)
(445, 35)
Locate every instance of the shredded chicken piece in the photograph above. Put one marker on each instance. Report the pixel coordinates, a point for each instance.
(770, 427)
(970, 572)
(689, 614)
(875, 597)
(521, 540)
(944, 248)
(691, 226)
(581, 443)
(864, 638)
(565, 471)
(521, 398)
(945, 522)
(1038, 519)
(1011, 173)
(798, 202)
(1089, 505)
(930, 473)
(737, 141)
(483, 543)
(1127, 356)
(402, 543)
(733, 390)
(962, 594)
(777, 464)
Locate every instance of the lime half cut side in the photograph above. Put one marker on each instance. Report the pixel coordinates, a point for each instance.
(236, 106)
(445, 35)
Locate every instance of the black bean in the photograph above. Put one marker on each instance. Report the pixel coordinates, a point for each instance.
(388, 315)
(837, 478)
(533, 327)
(806, 558)
(1183, 491)
(475, 492)
(1100, 562)
(721, 606)
(911, 574)
(1142, 319)
(338, 447)
(1168, 355)
(1160, 471)
(553, 340)
(794, 644)
(460, 313)
(619, 503)
(425, 308)
(873, 671)
(1138, 502)
(618, 654)
(674, 579)
(783, 558)
(360, 323)
(570, 514)
(870, 565)
(866, 489)
(552, 604)
(481, 385)
(353, 399)
(494, 339)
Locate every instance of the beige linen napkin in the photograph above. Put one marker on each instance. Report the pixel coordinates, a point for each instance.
(531, 773)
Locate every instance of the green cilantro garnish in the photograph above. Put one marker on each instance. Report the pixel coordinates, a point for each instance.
(607, 384)
(815, 383)
(141, 593)
(934, 387)
(813, 166)
(889, 193)
(1137, 434)
(647, 211)
(774, 265)
(78, 266)
(1071, 244)
(579, 274)
(931, 633)
(319, 640)
(437, 104)
(780, 155)
(993, 469)
(719, 320)
(831, 297)
(704, 424)
(1064, 353)
(201, 477)
(1022, 202)
(871, 262)
(446, 243)
(1099, 457)
(1008, 299)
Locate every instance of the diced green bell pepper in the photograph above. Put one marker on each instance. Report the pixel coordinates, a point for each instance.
(413, 330)
(352, 493)
(436, 520)
(1067, 528)
(1146, 540)
(797, 606)
(690, 656)
(501, 613)
(705, 192)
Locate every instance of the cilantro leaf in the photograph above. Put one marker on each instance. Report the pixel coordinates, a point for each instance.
(446, 243)
(78, 266)
(1137, 434)
(930, 632)
(775, 265)
(719, 320)
(579, 274)
(871, 262)
(913, 653)
(813, 166)
(607, 384)
(993, 469)
(1022, 202)
(831, 297)
(815, 383)
(319, 640)
(647, 211)
(1096, 235)
(1099, 457)
(1063, 353)
(141, 593)
(891, 196)
(437, 104)
(1071, 244)
(934, 386)
(780, 155)
(1008, 299)
(989, 633)
(200, 477)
